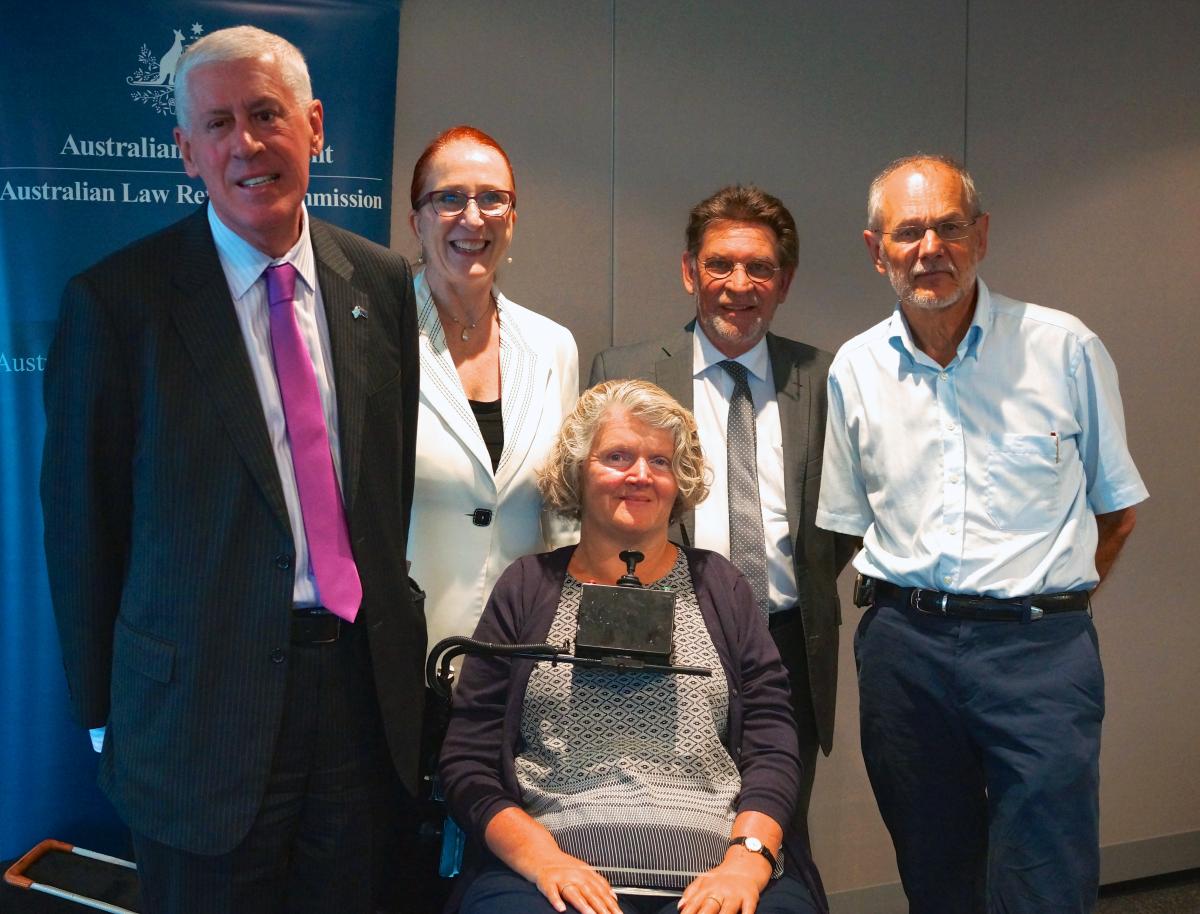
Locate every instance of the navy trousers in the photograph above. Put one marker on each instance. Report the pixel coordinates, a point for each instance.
(982, 743)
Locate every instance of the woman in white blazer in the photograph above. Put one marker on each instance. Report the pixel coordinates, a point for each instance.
(496, 381)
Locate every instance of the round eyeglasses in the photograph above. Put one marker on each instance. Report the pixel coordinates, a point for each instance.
(947, 231)
(756, 270)
(454, 202)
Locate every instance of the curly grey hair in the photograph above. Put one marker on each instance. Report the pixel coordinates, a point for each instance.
(560, 478)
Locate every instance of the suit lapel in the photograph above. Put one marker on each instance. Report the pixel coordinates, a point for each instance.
(523, 378)
(673, 372)
(348, 340)
(793, 394)
(206, 322)
(441, 388)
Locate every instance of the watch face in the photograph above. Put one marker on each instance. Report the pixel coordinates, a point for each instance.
(753, 844)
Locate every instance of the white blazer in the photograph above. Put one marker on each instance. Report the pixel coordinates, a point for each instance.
(455, 561)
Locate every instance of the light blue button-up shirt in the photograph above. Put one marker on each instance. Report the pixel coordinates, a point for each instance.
(983, 477)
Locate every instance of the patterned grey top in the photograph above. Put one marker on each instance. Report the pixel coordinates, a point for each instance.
(627, 770)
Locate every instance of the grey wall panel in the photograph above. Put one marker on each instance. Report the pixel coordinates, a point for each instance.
(538, 77)
(1084, 137)
(806, 99)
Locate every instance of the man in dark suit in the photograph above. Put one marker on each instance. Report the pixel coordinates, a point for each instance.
(741, 255)
(227, 477)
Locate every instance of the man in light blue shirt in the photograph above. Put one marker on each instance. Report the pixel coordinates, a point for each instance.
(977, 445)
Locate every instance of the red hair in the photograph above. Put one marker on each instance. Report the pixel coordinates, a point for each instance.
(461, 133)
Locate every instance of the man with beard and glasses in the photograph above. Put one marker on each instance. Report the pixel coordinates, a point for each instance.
(759, 402)
(977, 445)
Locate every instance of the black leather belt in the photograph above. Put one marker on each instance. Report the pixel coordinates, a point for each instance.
(988, 609)
(313, 625)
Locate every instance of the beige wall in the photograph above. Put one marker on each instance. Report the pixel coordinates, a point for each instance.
(1080, 123)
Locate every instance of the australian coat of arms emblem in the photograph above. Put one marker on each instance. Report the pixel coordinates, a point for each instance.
(154, 79)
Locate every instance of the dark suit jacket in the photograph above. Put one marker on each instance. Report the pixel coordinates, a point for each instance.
(818, 555)
(167, 540)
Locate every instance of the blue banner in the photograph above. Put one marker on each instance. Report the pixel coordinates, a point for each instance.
(87, 165)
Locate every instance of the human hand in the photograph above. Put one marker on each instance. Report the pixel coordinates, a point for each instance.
(564, 880)
(732, 887)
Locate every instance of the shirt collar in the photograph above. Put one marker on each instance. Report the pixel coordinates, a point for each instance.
(900, 336)
(980, 324)
(706, 356)
(244, 263)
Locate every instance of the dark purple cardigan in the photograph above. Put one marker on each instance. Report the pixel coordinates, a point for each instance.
(477, 763)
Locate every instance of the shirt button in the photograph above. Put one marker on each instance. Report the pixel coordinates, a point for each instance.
(949, 426)
(284, 561)
(278, 656)
(954, 479)
(946, 579)
(943, 375)
(952, 531)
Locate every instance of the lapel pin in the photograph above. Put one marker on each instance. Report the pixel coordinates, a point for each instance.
(359, 311)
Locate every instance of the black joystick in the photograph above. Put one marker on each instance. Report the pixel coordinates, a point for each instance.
(630, 557)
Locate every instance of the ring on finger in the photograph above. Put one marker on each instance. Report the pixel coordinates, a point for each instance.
(718, 900)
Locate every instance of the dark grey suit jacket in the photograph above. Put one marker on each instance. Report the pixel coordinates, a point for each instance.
(818, 555)
(167, 540)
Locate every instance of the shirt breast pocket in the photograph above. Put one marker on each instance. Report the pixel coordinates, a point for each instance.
(1023, 491)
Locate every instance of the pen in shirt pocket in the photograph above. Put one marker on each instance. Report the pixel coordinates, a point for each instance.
(1054, 435)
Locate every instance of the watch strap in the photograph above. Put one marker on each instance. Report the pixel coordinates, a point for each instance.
(755, 846)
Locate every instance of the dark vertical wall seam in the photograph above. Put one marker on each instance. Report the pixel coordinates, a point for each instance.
(966, 77)
(612, 194)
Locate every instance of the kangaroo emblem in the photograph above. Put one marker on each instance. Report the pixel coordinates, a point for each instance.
(166, 66)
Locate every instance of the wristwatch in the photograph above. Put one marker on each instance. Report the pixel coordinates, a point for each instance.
(754, 846)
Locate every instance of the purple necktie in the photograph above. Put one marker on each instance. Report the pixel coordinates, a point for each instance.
(320, 504)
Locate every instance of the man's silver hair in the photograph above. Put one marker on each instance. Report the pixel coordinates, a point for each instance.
(875, 194)
(242, 42)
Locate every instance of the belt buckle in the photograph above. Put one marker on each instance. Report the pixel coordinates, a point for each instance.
(914, 600)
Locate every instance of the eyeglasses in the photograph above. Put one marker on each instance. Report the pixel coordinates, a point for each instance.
(756, 270)
(454, 202)
(947, 231)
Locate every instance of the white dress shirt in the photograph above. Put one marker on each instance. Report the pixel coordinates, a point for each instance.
(711, 389)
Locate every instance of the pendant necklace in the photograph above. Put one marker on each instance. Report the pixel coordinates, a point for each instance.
(468, 328)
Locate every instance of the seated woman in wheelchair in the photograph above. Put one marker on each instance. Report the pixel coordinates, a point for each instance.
(615, 791)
